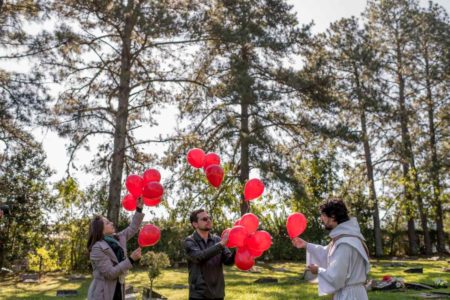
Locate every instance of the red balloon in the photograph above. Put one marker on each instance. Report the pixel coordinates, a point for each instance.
(255, 253)
(211, 159)
(250, 222)
(152, 202)
(129, 202)
(224, 232)
(296, 224)
(237, 236)
(259, 241)
(253, 189)
(149, 235)
(134, 184)
(214, 174)
(243, 259)
(152, 190)
(237, 222)
(196, 157)
(151, 175)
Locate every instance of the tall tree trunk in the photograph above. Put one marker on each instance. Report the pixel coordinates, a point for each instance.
(435, 167)
(369, 167)
(245, 168)
(409, 168)
(372, 191)
(413, 246)
(120, 132)
(422, 212)
(244, 139)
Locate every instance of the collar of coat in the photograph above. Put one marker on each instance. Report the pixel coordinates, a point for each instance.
(198, 238)
(108, 251)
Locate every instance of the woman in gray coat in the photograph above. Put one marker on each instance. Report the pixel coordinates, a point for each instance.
(108, 255)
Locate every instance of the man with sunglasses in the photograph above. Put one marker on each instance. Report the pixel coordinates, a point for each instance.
(206, 253)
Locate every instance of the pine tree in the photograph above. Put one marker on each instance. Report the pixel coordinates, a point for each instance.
(117, 66)
(249, 108)
(391, 24)
(431, 39)
(353, 62)
(23, 96)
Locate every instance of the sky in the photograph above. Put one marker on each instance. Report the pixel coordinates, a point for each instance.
(321, 12)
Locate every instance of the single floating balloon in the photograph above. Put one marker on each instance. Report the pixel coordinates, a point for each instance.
(211, 159)
(153, 190)
(196, 157)
(296, 224)
(151, 175)
(253, 189)
(134, 184)
(149, 235)
(129, 202)
(214, 174)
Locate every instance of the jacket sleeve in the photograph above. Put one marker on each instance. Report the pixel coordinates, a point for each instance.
(103, 263)
(228, 257)
(197, 255)
(133, 228)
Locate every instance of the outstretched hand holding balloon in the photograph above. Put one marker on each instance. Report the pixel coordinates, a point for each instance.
(299, 243)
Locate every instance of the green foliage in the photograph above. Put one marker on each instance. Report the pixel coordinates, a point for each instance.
(43, 260)
(73, 208)
(172, 238)
(23, 186)
(154, 262)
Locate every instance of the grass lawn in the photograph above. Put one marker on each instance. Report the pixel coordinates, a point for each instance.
(239, 285)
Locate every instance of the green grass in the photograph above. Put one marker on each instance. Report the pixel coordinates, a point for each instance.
(239, 285)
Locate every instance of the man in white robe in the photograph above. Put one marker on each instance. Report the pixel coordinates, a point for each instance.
(343, 265)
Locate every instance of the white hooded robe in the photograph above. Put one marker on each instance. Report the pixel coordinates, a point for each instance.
(343, 269)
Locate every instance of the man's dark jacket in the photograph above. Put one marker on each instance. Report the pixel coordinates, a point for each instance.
(205, 266)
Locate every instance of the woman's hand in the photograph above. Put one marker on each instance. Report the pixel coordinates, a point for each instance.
(140, 202)
(136, 254)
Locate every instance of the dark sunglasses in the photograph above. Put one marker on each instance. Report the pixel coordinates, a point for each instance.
(205, 219)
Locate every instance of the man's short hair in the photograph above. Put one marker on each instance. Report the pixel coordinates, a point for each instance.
(194, 218)
(335, 208)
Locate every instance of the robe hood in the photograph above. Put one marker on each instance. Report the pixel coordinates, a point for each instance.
(350, 227)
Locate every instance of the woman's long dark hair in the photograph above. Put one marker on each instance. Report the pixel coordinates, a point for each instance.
(95, 231)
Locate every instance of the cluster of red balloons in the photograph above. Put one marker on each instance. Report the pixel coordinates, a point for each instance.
(296, 224)
(250, 243)
(149, 235)
(209, 162)
(253, 189)
(148, 186)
